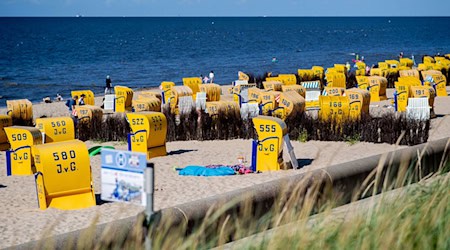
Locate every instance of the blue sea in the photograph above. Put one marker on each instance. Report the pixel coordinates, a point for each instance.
(43, 56)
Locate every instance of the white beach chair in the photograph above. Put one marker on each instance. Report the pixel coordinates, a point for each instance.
(239, 82)
(249, 110)
(109, 102)
(200, 100)
(185, 104)
(244, 95)
(312, 94)
(418, 109)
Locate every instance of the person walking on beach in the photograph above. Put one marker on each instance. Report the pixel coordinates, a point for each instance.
(71, 104)
(205, 79)
(108, 87)
(211, 76)
(81, 100)
(58, 97)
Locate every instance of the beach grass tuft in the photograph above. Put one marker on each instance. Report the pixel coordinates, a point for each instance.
(414, 217)
(110, 128)
(392, 77)
(228, 124)
(198, 125)
(419, 218)
(385, 129)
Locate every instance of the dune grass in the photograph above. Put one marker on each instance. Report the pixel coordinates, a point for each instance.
(418, 220)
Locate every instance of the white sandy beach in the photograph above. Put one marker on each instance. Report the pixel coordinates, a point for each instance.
(22, 220)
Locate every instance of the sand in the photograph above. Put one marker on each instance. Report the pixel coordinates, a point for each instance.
(22, 220)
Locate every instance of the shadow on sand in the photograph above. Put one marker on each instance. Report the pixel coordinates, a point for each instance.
(304, 162)
(99, 201)
(181, 151)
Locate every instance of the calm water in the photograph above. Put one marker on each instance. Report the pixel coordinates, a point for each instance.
(45, 56)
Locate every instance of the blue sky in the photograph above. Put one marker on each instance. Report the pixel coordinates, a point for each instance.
(224, 7)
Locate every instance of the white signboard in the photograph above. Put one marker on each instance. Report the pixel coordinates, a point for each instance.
(123, 176)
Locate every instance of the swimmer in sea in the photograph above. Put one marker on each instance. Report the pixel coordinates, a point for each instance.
(274, 59)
